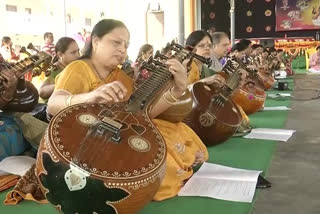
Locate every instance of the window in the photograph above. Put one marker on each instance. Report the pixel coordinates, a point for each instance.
(28, 11)
(27, 14)
(11, 8)
(88, 22)
(68, 18)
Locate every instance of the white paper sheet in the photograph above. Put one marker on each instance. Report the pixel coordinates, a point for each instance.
(270, 134)
(279, 95)
(17, 165)
(284, 94)
(222, 182)
(276, 108)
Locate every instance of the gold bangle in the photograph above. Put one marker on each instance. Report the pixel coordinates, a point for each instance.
(170, 94)
(67, 101)
(166, 100)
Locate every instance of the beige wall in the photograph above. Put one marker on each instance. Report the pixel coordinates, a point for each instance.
(189, 16)
(48, 15)
(134, 13)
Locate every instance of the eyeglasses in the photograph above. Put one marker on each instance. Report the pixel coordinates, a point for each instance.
(119, 43)
(207, 45)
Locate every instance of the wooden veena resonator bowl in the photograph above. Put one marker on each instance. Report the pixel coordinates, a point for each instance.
(214, 116)
(250, 97)
(100, 159)
(213, 123)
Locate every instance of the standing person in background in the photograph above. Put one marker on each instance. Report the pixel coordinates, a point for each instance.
(79, 39)
(48, 43)
(82, 38)
(86, 35)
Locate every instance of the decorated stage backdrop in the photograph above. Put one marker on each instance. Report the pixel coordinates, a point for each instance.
(297, 15)
(254, 18)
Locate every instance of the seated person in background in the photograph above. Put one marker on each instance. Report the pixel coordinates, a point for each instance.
(7, 51)
(166, 51)
(264, 56)
(17, 129)
(127, 67)
(215, 47)
(279, 65)
(238, 51)
(280, 57)
(218, 50)
(145, 52)
(48, 43)
(248, 44)
(274, 63)
(1, 62)
(221, 44)
(314, 63)
(49, 48)
(97, 78)
(257, 49)
(66, 51)
(201, 41)
(12, 141)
